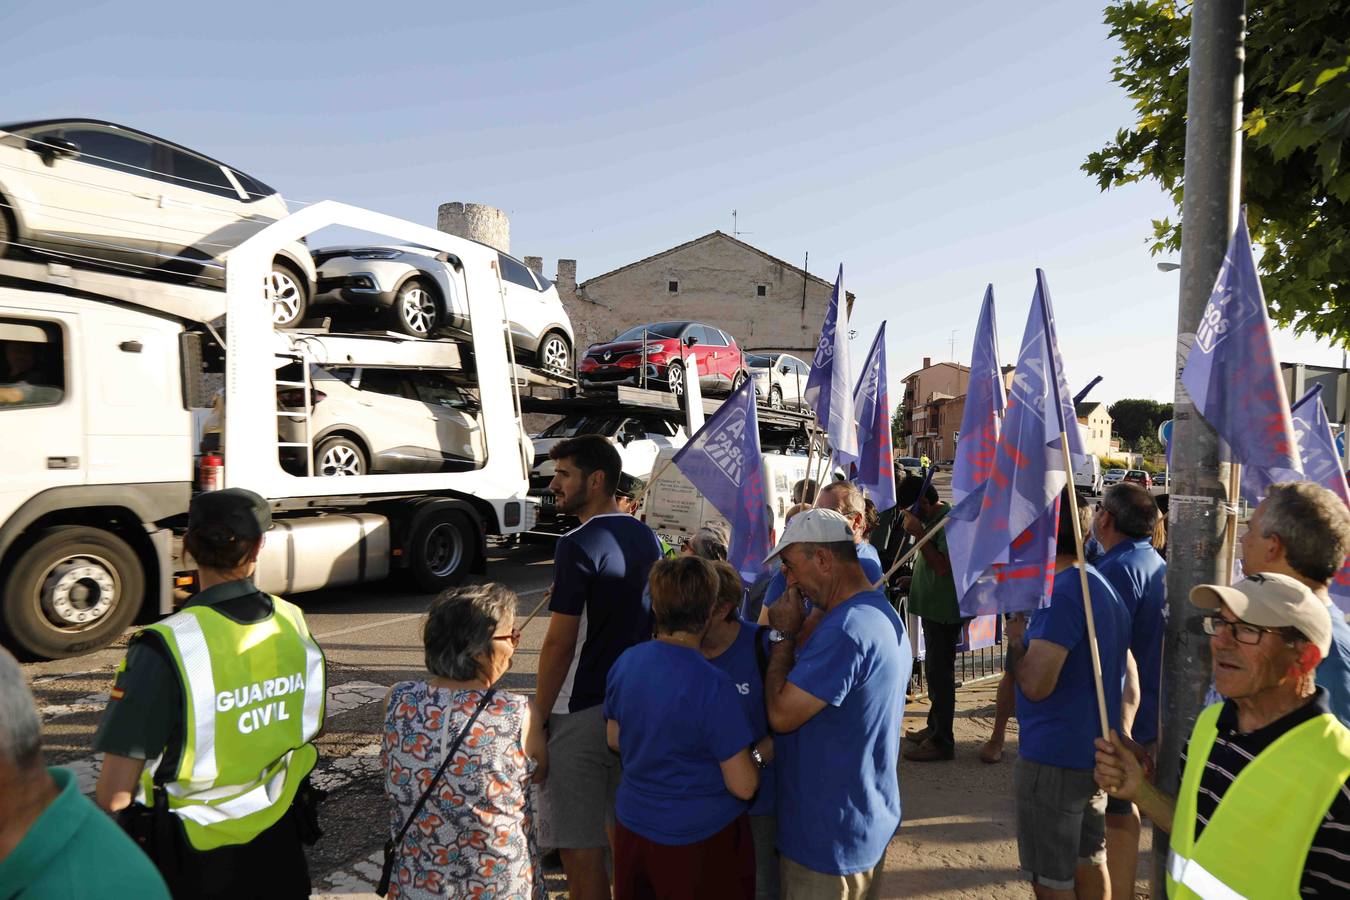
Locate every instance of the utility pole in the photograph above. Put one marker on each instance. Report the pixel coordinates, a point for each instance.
(1196, 518)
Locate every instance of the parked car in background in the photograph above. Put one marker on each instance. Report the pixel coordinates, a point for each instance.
(780, 379)
(422, 293)
(1160, 479)
(1113, 476)
(621, 360)
(911, 464)
(1138, 476)
(96, 194)
(367, 421)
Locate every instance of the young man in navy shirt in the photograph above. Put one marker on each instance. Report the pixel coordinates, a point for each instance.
(598, 610)
(836, 707)
(1061, 840)
(1123, 526)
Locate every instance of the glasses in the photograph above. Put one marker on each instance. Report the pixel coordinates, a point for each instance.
(513, 638)
(1242, 632)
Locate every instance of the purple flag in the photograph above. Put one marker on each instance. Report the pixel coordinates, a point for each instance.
(875, 470)
(827, 389)
(1322, 465)
(1233, 377)
(723, 462)
(1014, 512)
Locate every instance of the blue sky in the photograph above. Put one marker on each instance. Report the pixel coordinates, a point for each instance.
(930, 148)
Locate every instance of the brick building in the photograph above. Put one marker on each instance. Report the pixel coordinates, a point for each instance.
(934, 419)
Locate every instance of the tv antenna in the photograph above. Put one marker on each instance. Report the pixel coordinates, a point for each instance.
(951, 345)
(736, 232)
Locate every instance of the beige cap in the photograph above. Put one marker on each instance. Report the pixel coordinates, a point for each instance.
(815, 526)
(1272, 600)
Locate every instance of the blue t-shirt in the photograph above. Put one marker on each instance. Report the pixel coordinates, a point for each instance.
(741, 663)
(1333, 673)
(838, 792)
(600, 574)
(679, 719)
(1139, 576)
(871, 567)
(1059, 730)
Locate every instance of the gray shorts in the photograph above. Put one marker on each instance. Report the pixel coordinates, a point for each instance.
(1061, 822)
(577, 799)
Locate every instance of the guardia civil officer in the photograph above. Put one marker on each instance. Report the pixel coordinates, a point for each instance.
(224, 699)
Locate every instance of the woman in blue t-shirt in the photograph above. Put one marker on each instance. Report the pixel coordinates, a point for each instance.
(741, 650)
(684, 737)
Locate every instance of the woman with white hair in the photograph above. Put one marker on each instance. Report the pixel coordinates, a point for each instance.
(457, 771)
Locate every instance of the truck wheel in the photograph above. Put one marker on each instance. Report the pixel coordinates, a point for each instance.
(74, 590)
(441, 551)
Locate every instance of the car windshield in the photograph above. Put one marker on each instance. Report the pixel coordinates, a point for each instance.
(1115, 471)
(656, 330)
(575, 425)
(756, 361)
(908, 460)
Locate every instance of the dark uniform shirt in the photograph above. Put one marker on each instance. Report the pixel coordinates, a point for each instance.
(144, 716)
(1326, 871)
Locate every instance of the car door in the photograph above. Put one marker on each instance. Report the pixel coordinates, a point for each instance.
(399, 427)
(459, 432)
(100, 203)
(522, 299)
(204, 214)
(794, 382)
(711, 349)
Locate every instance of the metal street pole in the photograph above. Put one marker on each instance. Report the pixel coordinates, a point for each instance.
(1196, 519)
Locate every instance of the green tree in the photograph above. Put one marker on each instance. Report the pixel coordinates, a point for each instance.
(899, 426)
(1295, 179)
(1135, 421)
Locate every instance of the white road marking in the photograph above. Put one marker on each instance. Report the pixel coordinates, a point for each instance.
(91, 703)
(397, 619)
(341, 698)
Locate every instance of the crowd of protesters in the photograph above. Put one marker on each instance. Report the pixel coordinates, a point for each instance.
(677, 748)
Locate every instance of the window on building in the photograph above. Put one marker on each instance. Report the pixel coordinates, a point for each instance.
(761, 290)
(672, 287)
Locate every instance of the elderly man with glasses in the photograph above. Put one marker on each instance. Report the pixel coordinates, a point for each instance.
(1263, 807)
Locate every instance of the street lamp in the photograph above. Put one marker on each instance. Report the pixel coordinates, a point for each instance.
(1168, 266)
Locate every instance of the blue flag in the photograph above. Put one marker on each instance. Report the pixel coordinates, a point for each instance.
(827, 389)
(1234, 378)
(875, 471)
(1010, 550)
(723, 462)
(1322, 465)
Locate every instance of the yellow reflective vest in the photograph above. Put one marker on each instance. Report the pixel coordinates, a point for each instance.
(253, 700)
(1257, 841)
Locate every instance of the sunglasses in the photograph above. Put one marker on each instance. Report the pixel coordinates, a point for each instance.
(513, 637)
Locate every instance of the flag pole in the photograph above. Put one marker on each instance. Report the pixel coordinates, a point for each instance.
(530, 618)
(810, 459)
(637, 501)
(1234, 500)
(1083, 581)
(909, 554)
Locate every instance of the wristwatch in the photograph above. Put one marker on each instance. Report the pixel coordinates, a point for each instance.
(777, 637)
(758, 757)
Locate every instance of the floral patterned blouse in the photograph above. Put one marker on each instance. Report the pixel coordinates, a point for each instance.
(474, 838)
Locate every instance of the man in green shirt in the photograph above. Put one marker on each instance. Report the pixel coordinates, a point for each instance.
(54, 843)
(932, 597)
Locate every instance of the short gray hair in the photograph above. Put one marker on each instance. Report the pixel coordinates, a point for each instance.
(1313, 525)
(711, 540)
(20, 728)
(1133, 508)
(460, 626)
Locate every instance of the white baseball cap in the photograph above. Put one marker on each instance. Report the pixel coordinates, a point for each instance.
(814, 526)
(1271, 600)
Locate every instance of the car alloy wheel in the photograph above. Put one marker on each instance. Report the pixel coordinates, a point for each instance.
(775, 397)
(340, 459)
(737, 380)
(418, 309)
(286, 296)
(675, 379)
(555, 355)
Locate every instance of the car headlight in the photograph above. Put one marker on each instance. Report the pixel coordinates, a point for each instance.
(376, 254)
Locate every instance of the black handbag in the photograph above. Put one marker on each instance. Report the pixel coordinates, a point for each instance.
(391, 846)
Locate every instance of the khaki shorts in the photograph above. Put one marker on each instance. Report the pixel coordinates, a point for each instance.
(576, 801)
(797, 882)
(1061, 822)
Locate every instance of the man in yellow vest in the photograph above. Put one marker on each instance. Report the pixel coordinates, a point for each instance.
(1263, 808)
(209, 727)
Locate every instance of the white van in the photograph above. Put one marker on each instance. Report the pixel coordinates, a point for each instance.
(1087, 476)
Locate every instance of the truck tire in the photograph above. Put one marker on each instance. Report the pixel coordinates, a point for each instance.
(73, 590)
(441, 551)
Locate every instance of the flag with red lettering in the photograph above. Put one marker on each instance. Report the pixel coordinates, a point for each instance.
(1322, 465)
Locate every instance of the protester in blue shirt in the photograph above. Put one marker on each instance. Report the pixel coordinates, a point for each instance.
(742, 651)
(1124, 526)
(836, 706)
(598, 610)
(844, 498)
(682, 732)
(1302, 530)
(1061, 839)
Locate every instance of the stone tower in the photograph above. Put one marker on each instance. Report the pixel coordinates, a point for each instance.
(477, 222)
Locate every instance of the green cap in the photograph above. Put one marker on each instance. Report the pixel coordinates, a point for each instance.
(243, 513)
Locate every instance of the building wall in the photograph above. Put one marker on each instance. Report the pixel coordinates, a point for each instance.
(717, 280)
(942, 378)
(1097, 431)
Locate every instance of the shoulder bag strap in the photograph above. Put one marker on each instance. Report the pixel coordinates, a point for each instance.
(391, 846)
